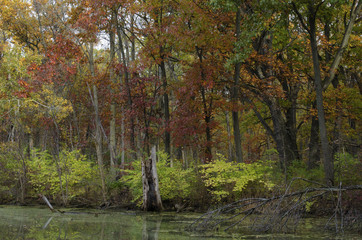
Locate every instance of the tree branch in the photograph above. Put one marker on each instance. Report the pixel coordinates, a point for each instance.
(300, 17)
(283, 207)
(338, 57)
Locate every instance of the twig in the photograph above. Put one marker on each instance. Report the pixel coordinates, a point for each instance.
(292, 204)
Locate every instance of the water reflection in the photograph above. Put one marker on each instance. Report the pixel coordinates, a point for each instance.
(151, 229)
(47, 223)
(37, 223)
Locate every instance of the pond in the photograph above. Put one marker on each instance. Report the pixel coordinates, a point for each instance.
(39, 223)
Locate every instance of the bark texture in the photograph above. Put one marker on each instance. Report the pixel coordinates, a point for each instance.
(151, 191)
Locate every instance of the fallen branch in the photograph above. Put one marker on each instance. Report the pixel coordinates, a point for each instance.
(276, 212)
(45, 199)
(49, 204)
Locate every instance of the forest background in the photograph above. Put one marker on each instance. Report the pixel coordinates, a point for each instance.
(238, 96)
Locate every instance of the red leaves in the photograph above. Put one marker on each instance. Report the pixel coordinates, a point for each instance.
(24, 89)
(60, 66)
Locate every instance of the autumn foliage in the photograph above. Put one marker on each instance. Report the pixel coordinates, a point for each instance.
(110, 79)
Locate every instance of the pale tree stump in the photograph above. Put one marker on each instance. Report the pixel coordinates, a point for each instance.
(151, 191)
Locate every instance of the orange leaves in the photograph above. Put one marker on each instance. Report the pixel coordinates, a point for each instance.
(23, 91)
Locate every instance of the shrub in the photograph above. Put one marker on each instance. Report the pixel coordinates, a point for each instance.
(224, 179)
(11, 170)
(346, 169)
(175, 182)
(299, 169)
(66, 176)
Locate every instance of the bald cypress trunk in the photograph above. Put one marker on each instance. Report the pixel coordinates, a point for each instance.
(151, 191)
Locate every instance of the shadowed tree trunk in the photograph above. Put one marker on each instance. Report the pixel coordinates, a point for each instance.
(230, 145)
(207, 108)
(98, 130)
(124, 59)
(327, 156)
(314, 149)
(166, 108)
(311, 27)
(234, 95)
(112, 123)
(284, 137)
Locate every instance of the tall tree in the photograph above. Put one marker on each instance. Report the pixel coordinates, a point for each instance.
(235, 90)
(311, 27)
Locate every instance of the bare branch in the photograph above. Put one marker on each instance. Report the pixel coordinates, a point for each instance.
(276, 212)
(300, 17)
(337, 59)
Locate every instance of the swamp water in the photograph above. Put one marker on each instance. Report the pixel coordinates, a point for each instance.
(40, 223)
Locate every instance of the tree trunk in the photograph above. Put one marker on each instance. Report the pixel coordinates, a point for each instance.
(112, 123)
(319, 85)
(235, 95)
(98, 138)
(283, 135)
(98, 126)
(328, 159)
(230, 144)
(166, 107)
(123, 149)
(278, 135)
(338, 57)
(208, 150)
(207, 109)
(314, 148)
(151, 192)
(291, 120)
(124, 60)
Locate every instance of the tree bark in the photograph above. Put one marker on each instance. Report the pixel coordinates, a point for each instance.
(314, 148)
(124, 61)
(207, 108)
(355, 10)
(166, 107)
(98, 126)
(230, 144)
(328, 158)
(112, 123)
(235, 95)
(151, 192)
(284, 137)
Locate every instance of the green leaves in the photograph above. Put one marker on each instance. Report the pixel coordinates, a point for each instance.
(224, 178)
(70, 175)
(175, 182)
(14, 67)
(226, 5)
(48, 103)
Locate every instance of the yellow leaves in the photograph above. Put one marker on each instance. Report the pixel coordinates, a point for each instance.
(48, 103)
(15, 62)
(24, 23)
(12, 8)
(223, 178)
(76, 172)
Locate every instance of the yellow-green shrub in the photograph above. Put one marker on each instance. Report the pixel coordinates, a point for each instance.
(70, 169)
(223, 178)
(175, 182)
(11, 170)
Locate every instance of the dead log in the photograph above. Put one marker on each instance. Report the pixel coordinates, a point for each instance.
(151, 191)
(45, 199)
(272, 214)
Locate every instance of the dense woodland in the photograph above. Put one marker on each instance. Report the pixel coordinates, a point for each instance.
(238, 96)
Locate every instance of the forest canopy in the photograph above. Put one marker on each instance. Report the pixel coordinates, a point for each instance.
(238, 96)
